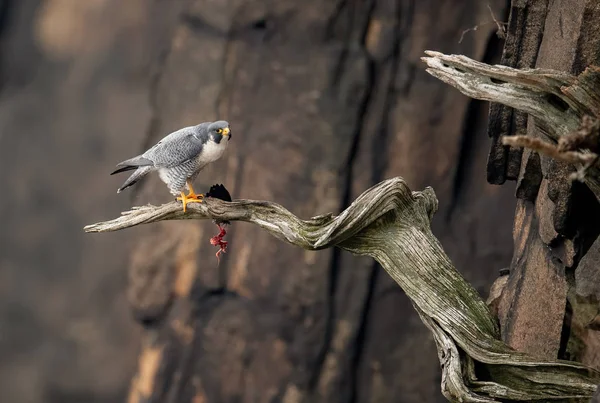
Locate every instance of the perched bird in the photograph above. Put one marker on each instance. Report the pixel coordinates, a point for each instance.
(179, 157)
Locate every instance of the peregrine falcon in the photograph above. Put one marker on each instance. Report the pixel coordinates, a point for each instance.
(179, 157)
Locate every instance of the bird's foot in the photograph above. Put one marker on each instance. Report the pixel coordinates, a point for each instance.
(190, 198)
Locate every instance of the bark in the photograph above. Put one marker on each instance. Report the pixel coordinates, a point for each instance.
(559, 102)
(392, 225)
(556, 105)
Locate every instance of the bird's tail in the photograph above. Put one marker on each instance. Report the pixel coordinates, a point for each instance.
(132, 163)
(139, 173)
(141, 165)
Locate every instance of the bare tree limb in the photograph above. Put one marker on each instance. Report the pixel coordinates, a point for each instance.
(583, 160)
(549, 149)
(391, 223)
(557, 101)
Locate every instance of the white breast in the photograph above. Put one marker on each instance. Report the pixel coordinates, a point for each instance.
(212, 151)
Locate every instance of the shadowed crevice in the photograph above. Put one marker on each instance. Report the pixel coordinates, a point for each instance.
(475, 117)
(7, 8)
(358, 347)
(379, 163)
(347, 181)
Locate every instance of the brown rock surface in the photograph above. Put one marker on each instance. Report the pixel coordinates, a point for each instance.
(325, 99)
(549, 304)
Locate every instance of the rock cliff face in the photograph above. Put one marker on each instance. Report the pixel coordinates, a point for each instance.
(555, 265)
(325, 98)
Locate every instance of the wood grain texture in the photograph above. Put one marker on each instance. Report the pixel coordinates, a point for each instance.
(555, 228)
(391, 224)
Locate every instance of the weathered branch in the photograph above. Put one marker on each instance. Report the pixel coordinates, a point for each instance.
(583, 159)
(557, 101)
(392, 224)
(551, 150)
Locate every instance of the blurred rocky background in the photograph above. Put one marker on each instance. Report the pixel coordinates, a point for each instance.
(325, 98)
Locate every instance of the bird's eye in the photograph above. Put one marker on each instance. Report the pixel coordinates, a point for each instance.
(219, 131)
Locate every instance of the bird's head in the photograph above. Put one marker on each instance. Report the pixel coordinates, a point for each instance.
(219, 130)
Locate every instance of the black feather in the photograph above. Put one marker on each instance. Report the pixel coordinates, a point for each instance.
(127, 185)
(218, 191)
(126, 168)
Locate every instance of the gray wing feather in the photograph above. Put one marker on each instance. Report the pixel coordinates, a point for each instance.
(175, 149)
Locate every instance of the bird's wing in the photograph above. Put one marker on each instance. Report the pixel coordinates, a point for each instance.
(175, 149)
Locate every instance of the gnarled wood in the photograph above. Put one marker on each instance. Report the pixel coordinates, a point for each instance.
(392, 224)
(558, 101)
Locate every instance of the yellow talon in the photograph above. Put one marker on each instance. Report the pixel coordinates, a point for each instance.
(191, 197)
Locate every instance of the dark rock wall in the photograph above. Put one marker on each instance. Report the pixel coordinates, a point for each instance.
(325, 99)
(555, 266)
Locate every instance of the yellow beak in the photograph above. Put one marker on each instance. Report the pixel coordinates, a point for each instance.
(226, 131)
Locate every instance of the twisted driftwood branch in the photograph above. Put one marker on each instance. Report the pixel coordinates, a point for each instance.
(559, 102)
(392, 224)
